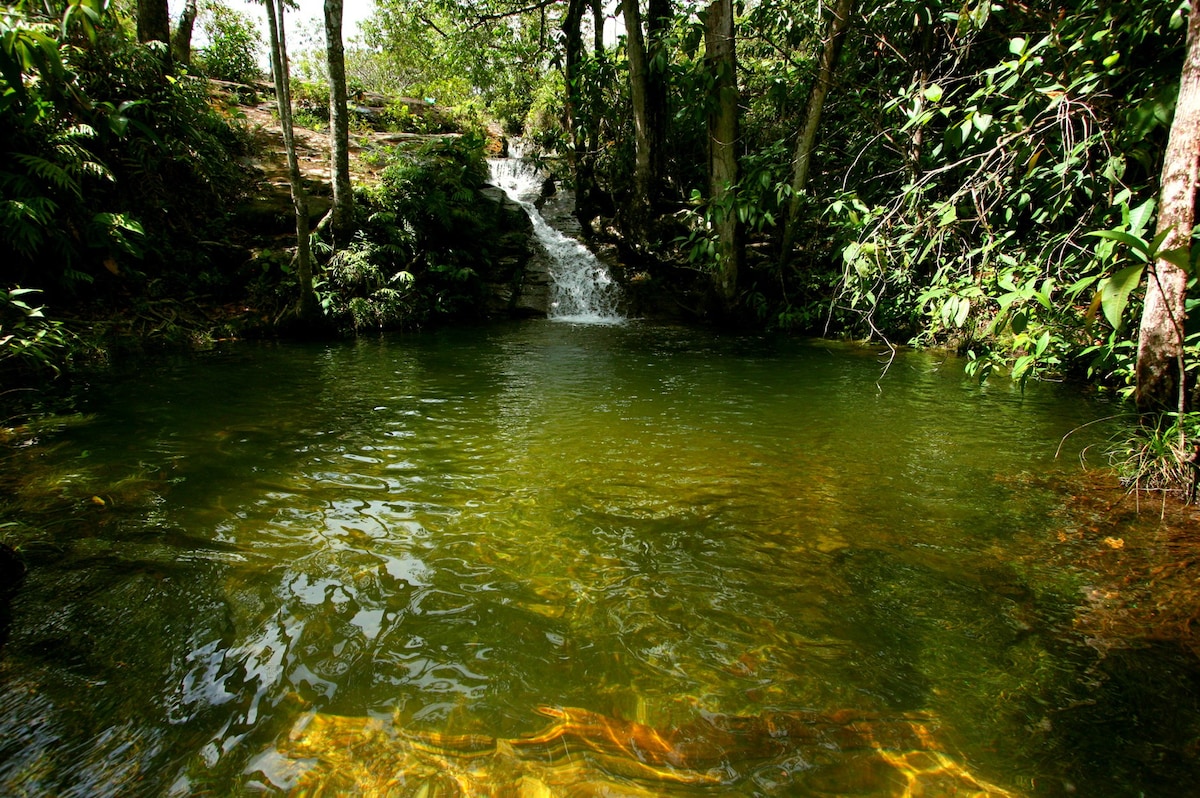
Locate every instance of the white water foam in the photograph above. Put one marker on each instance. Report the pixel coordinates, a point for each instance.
(582, 292)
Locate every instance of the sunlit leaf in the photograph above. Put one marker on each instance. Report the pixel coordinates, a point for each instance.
(1115, 293)
(1180, 258)
(1138, 245)
(1140, 216)
(964, 309)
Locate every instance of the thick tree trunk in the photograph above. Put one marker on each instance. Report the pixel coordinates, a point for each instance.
(283, 96)
(802, 161)
(181, 41)
(153, 21)
(635, 50)
(1161, 380)
(339, 126)
(720, 59)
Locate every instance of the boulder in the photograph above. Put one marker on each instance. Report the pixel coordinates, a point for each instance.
(518, 284)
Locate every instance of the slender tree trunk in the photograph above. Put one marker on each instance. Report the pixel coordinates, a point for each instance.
(658, 27)
(720, 59)
(594, 117)
(635, 50)
(339, 126)
(181, 41)
(575, 113)
(1161, 380)
(283, 96)
(598, 27)
(153, 21)
(924, 57)
(801, 162)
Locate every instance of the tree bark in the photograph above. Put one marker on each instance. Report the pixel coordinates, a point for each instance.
(658, 28)
(181, 41)
(339, 126)
(574, 109)
(635, 50)
(1161, 379)
(802, 161)
(283, 96)
(720, 59)
(153, 21)
(598, 27)
(924, 58)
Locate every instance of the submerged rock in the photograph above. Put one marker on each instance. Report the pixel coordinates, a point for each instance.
(12, 569)
(585, 753)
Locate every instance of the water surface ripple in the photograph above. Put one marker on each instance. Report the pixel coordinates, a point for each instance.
(555, 559)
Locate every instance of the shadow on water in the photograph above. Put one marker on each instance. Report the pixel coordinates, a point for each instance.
(543, 560)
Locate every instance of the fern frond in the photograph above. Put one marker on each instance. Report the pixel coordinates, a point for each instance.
(49, 171)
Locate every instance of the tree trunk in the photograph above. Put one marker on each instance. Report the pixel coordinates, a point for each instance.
(635, 49)
(339, 126)
(924, 58)
(598, 28)
(283, 96)
(658, 28)
(575, 121)
(834, 36)
(1161, 380)
(153, 21)
(181, 42)
(720, 59)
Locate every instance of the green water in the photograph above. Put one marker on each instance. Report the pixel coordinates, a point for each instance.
(673, 531)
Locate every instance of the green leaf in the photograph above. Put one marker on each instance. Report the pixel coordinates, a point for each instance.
(1020, 321)
(964, 309)
(1022, 365)
(1082, 284)
(1042, 343)
(933, 93)
(1140, 216)
(1138, 245)
(1180, 258)
(1043, 296)
(1115, 292)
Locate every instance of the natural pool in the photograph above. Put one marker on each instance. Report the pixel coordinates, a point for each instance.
(547, 559)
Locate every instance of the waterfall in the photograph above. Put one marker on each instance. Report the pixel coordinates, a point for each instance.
(582, 291)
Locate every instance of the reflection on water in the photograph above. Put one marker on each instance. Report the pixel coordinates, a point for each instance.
(720, 566)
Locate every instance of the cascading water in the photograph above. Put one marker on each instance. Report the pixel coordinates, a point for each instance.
(582, 290)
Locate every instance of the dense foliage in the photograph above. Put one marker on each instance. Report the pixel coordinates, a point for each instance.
(425, 246)
(968, 154)
(234, 44)
(115, 165)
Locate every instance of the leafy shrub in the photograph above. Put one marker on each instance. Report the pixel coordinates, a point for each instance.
(310, 102)
(424, 219)
(357, 293)
(234, 44)
(111, 163)
(1161, 454)
(29, 341)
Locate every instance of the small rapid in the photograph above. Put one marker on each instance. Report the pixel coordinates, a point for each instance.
(582, 291)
